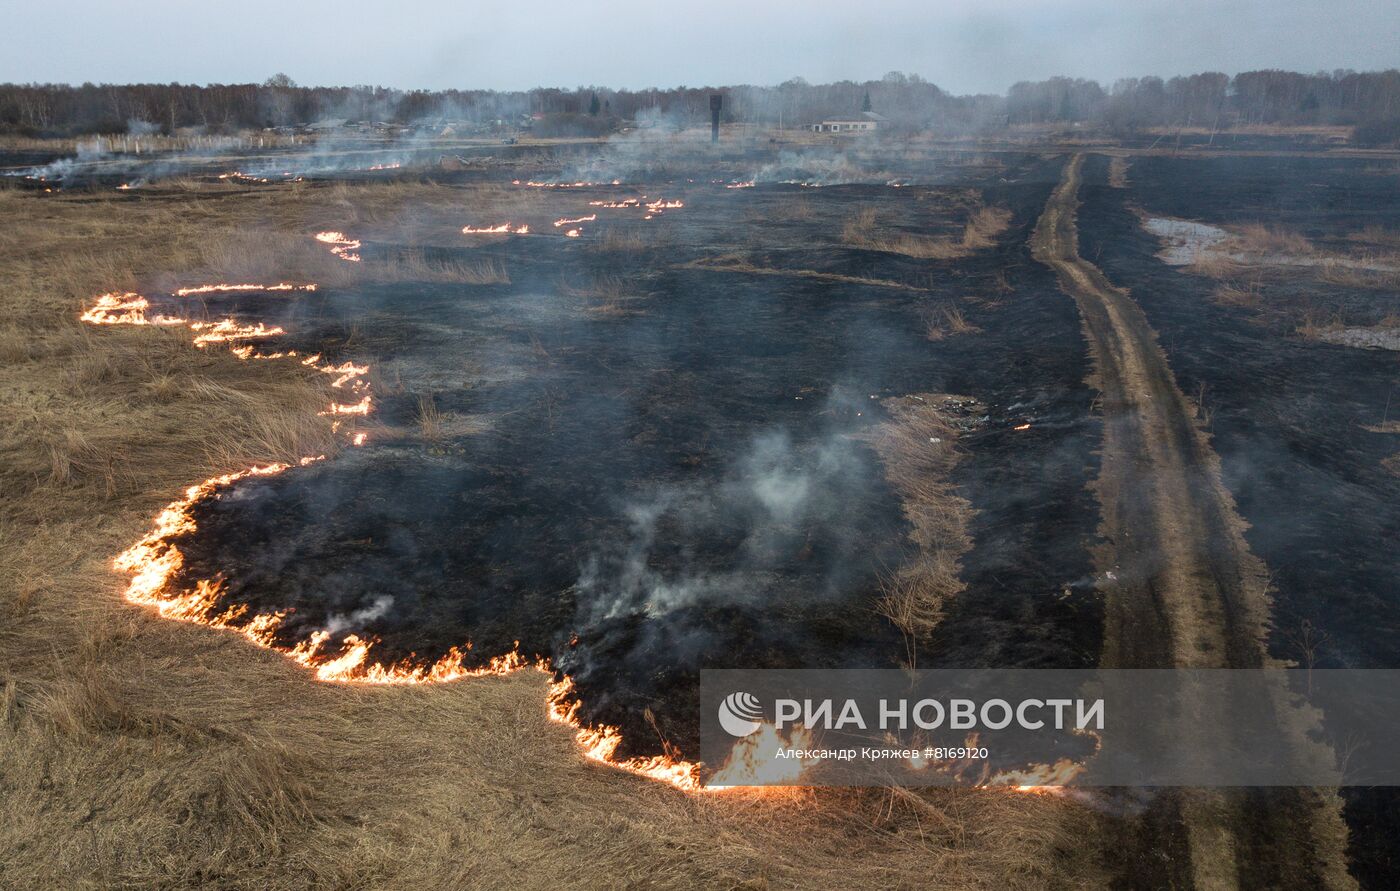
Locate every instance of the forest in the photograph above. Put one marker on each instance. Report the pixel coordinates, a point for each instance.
(1369, 101)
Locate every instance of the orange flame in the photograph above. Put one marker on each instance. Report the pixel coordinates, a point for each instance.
(502, 229)
(127, 308)
(154, 561)
(342, 245)
(226, 288)
(576, 185)
(753, 761)
(244, 177)
(225, 330)
(565, 222)
(600, 743)
(356, 408)
(1040, 779)
(130, 308)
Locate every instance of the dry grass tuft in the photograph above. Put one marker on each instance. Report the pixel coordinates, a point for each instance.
(626, 241)
(1312, 327)
(1213, 264)
(604, 295)
(1392, 464)
(1256, 238)
(784, 209)
(917, 446)
(429, 418)
(1245, 295)
(984, 226)
(1362, 274)
(946, 321)
(980, 231)
(1378, 236)
(1118, 172)
(417, 266)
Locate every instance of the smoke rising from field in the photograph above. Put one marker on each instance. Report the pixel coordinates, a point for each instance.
(821, 167)
(767, 506)
(89, 152)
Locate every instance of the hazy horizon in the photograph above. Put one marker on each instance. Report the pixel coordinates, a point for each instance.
(962, 46)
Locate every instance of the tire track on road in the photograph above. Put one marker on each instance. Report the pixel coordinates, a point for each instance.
(1181, 587)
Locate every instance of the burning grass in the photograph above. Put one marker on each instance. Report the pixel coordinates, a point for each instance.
(142, 752)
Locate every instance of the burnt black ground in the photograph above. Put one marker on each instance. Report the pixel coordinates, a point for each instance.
(649, 494)
(1288, 414)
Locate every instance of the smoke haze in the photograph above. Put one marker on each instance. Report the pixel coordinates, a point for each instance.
(964, 47)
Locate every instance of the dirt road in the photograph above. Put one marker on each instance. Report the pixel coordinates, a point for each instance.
(1181, 588)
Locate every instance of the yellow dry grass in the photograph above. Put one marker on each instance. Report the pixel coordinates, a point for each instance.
(980, 231)
(1257, 238)
(946, 321)
(1245, 295)
(1214, 264)
(1118, 172)
(1376, 236)
(614, 241)
(429, 419)
(604, 295)
(1365, 273)
(137, 752)
(1256, 252)
(917, 446)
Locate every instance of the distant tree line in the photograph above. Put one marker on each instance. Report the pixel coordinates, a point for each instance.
(1368, 100)
(1213, 99)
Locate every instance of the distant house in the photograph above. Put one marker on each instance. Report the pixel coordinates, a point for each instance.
(868, 120)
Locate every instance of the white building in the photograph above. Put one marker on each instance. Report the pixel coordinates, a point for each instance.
(868, 120)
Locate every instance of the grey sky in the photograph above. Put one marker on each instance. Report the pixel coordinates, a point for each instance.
(961, 45)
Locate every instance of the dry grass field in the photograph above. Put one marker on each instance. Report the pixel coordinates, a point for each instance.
(137, 752)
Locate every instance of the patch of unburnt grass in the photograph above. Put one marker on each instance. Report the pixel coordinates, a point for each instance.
(604, 294)
(742, 263)
(946, 321)
(980, 230)
(917, 446)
